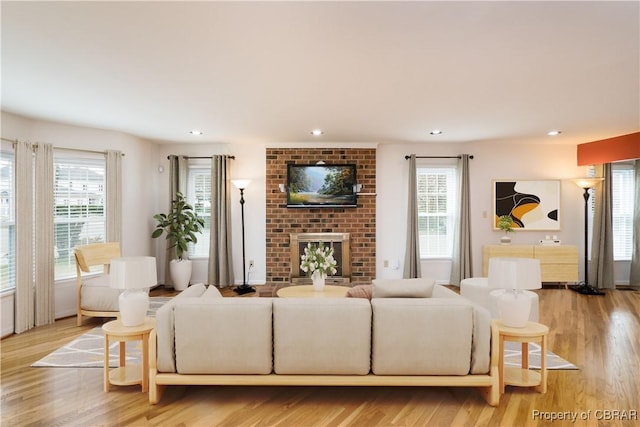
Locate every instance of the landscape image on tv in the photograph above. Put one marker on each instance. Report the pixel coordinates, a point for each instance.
(321, 186)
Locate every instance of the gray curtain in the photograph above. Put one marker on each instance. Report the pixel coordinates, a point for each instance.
(412, 251)
(601, 266)
(461, 263)
(634, 276)
(177, 183)
(114, 196)
(220, 254)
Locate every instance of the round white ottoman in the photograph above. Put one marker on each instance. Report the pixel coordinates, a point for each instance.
(477, 290)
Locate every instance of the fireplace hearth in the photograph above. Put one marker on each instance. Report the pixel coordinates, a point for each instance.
(340, 242)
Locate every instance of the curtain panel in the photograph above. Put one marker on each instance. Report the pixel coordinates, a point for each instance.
(634, 275)
(220, 269)
(601, 274)
(412, 251)
(461, 265)
(114, 196)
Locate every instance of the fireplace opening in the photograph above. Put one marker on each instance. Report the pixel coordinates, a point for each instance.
(340, 242)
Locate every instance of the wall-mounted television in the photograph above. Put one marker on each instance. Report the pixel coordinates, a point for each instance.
(321, 185)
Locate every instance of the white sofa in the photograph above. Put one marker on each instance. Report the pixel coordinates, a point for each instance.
(411, 333)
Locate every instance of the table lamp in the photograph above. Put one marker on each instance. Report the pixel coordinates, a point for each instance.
(135, 275)
(514, 275)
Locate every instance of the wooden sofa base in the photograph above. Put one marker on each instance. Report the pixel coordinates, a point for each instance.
(487, 384)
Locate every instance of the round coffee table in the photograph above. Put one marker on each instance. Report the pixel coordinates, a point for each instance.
(306, 291)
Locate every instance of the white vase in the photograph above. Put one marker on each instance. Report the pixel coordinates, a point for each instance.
(180, 271)
(318, 280)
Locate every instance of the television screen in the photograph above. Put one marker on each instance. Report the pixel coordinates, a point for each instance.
(321, 186)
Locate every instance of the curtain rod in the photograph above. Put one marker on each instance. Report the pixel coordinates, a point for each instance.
(63, 148)
(202, 157)
(436, 157)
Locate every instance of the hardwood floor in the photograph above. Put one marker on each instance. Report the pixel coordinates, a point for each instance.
(600, 334)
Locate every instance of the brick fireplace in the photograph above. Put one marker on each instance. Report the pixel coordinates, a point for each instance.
(281, 222)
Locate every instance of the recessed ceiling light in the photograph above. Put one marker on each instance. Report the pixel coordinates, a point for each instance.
(195, 132)
(436, 132)
(554, 132)
(316, 132)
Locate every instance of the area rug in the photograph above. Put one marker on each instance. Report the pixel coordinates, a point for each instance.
(87, 351)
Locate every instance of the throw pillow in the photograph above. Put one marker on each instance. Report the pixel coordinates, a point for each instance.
(360, 291)
(403, 288)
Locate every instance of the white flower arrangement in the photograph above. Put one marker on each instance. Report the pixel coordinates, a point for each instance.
(318, 258)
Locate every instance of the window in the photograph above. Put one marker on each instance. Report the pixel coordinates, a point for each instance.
(437, 189)
(79, 214)
(623, 176)
(7, 223)
(199, 196)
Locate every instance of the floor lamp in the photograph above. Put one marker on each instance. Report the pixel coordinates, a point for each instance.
(584, 287)
(241, 184)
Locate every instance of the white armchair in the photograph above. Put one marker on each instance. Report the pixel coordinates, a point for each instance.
(95, 297)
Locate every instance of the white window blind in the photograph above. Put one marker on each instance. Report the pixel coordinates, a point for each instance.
(437, 189)
(79, 211)
(7, 222)
(623, 189)
(199, 196)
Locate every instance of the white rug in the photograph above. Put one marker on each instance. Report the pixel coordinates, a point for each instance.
(87, 351)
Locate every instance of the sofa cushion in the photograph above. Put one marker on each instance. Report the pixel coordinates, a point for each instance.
(403, 288)
(224, 336)
(421, 336)
(330, 336)
(165, 327)
(97, 295)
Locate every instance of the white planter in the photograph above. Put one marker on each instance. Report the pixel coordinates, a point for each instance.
(180, 271)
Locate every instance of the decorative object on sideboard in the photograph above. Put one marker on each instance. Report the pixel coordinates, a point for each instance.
(504, 224)
(181, 225)
(242, 184)
(135, 275)
(584, 287)
(514, 275)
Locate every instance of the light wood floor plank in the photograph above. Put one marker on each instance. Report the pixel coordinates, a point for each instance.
(601, 335)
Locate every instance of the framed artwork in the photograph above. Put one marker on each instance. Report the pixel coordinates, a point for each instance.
(532, 204)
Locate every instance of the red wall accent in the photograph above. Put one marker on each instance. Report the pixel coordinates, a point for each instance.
(623, 147)
(360, 222)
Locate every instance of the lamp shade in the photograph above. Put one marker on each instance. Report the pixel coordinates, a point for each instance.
(587, 182)
(137, 272)
(135, 275)
(241, 183)
(514, 273)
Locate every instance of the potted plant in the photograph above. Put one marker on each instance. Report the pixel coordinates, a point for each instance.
(504, 223)
(318, 262)
(181, 225)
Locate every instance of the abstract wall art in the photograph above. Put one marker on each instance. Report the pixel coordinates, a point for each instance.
(532, 204)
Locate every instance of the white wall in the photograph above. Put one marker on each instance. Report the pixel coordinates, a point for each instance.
(491, 161)
(145, 193)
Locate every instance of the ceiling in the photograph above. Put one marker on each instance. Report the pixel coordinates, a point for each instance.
(270, 72)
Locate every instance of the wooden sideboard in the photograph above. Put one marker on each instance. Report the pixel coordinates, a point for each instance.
(558, 263)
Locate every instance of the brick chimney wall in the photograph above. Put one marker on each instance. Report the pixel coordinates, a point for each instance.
(360, 222)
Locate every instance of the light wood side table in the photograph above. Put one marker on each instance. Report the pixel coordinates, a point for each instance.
(132, 374)
(306, 291)
(522, 377)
